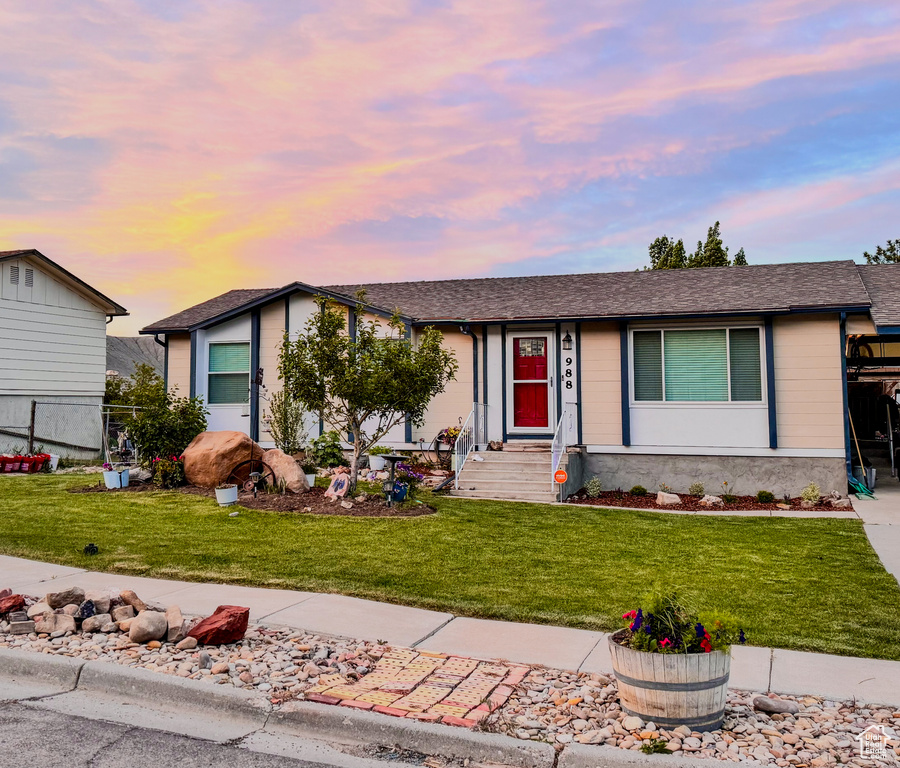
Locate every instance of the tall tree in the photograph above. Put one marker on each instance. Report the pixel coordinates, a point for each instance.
(667, 253)
(360, 380)
(890, 254)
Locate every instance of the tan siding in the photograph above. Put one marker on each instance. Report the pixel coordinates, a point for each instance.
(860, 325)
(808, 383)
(456, 401)
(179, 365)
(271, 335)
(601, 410)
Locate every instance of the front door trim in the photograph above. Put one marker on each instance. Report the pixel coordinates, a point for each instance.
(513, 432)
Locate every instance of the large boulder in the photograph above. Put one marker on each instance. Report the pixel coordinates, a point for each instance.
(211, 456)
(71, 596)
(12, 603)
(286, 470)
(227, 625)
(147, 626)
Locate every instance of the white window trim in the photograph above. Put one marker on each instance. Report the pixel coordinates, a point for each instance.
(216, 373)
(711, 404)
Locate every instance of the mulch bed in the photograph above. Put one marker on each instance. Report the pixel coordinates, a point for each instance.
(688, 503)
(311, 503)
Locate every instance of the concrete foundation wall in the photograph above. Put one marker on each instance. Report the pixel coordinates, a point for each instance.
(745, 474)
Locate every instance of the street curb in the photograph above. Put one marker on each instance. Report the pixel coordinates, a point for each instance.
(604, 756)
(41, 668)
(160, 687)
(343, 724)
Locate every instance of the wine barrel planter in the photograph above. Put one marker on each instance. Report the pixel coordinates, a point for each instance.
(671, 689)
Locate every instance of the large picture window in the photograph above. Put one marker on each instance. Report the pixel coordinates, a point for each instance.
(229, 373)
(697, 365)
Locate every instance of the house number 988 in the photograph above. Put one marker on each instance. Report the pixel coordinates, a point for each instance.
(567, 373)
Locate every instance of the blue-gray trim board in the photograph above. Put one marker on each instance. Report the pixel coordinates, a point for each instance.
(407, 426)
(193, 387)
(626, 389)
(558, 376)
(254, 366)
(770, 384)
(578, 379)
(847, 453)
(503, 376)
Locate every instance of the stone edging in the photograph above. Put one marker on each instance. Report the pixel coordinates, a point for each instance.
(311, 720)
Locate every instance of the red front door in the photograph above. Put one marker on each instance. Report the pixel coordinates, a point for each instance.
(530, 382)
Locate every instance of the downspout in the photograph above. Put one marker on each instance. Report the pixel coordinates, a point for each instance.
(469, 332)
(165, 346)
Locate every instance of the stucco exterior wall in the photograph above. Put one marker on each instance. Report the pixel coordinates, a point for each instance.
(601, 393)
(178, 377)
(808, 381)
(271, 335)
(745, 474)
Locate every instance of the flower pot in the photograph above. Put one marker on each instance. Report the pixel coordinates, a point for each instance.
(672, 689)
(54, 461)
(6, 463)
(376, 463)
(112, 479)
(26, 463)
(227, 495)
(310, 479)
(37, 463)
(400, 492)
(123, 478)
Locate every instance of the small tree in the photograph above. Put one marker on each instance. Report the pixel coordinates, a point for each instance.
(143, 388)
(361, 382)
(890, 254)
(166, 427)
(285, 421)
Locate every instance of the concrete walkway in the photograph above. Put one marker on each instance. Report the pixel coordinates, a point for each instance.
(756, 669)
(881, 520)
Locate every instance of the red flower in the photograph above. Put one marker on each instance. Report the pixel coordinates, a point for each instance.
(629, 615)
(705, 643)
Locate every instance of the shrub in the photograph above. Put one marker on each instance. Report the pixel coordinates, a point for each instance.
(664, 488)
(670, 626)
(406, 475)
(811, 493)
(285, 422)
(696, 489)
(765, 497)
(165, 427)
(327, 451)
(593, 487)
(729, 498)
(378, 450)
(309, 467)
(168, 473)
(638, 490)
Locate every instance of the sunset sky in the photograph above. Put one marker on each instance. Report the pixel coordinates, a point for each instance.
(166, 151)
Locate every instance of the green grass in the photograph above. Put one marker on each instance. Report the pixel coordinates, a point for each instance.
(804, 584)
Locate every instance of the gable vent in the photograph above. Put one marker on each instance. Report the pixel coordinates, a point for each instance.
(14, 274)
(29, 277)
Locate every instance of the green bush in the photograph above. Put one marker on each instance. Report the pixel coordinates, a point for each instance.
(638, 490)
(165, 426)
(593, 487)
(378, 450)
(168, 473)
(811, 493)
(665, 488)
(696, 489)
(327, 451)
(285, 422)
(729, 498)
(765, 497)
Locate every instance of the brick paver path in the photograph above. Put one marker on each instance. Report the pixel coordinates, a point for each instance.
(426, 686)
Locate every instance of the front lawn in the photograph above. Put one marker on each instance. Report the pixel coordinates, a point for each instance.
(812, 585)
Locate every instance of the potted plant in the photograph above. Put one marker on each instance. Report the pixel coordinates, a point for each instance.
(406, 482)
(310, 470)
(685, 681)
(227, 494)
(111, 478)
(376, 457)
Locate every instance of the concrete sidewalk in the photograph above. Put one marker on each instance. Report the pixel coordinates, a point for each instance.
(881, 520)
(753, 668)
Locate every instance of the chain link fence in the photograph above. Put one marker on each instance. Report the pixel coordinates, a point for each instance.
(75, 431)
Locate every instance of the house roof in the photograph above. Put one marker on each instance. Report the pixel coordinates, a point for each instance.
(111, 307)
(882, 283)
(711, 291)
(207, 310)
(765, 288)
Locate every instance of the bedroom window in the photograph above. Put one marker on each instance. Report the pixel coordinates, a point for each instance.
(229, 373)
(697, 365)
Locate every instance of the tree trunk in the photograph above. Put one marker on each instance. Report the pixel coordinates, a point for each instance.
(354, 462)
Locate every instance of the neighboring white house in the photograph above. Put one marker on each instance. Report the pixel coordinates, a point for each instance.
(52, 350)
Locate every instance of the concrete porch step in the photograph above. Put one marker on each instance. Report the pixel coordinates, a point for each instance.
(504, 456)
(506, 469)
(546, 497)
(505, 484)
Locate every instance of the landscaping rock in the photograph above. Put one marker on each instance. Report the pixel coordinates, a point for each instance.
(840, 503)
(176, 625)
(68, 610)
(711, 501)
(96, 623)
(287, 471)
(12, 603)
(124, 625)
(146, 626)
(86, 610)
(51, 623)
(71, 596)
(211, 456)
(632, 723)
(39, 609)
(188, 644)
(130, 598)
(21, 627)
(775, 706)
(667, 499)
(122, 613)
(227, 625)
(101, 600)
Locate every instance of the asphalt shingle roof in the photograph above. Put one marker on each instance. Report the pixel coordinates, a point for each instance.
(714, 291)
(882, 283)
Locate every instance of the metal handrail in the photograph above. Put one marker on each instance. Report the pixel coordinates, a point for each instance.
(468, 438)
(558, 447)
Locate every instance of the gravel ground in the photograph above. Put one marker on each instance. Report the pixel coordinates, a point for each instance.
(549, 705)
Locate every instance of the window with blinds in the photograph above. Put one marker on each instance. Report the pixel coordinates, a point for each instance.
(699, 365)
(229, 373)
